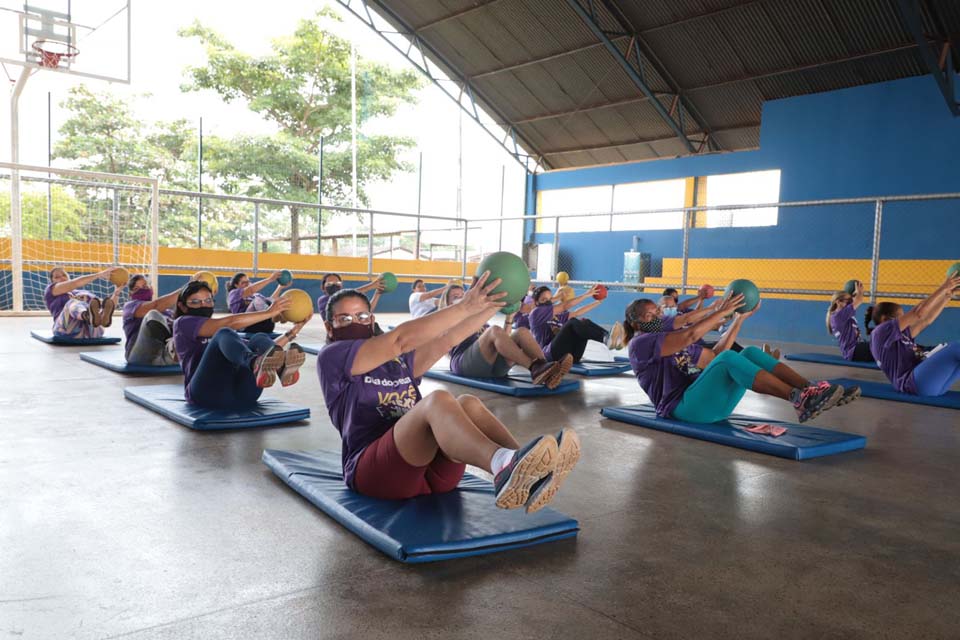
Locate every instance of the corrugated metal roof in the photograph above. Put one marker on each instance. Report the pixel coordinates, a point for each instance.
(575, 105)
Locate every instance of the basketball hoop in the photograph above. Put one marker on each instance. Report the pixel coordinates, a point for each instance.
(52, 51)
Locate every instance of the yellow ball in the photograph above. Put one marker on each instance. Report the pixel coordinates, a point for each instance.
(565, 293)
(209, 278)
(300, 308)
(563, 278)
(119, 276)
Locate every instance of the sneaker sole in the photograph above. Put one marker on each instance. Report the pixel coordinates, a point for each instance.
(849, 397)
(93, 308)
(545, 375)
(538, 463)
(829, 403)
(293, 359)
(565, 364)
(569, 452)
(106, 317)
(267, 373)
(616, 337)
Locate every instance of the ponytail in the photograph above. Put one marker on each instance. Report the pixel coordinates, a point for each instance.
(832, 308)
(880, 313)
(867, 319)
(630, 317)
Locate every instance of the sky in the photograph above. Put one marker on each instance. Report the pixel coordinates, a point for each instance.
(159, 57)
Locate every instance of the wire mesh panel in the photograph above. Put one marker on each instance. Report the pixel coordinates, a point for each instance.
(83, 226)
(793, 252)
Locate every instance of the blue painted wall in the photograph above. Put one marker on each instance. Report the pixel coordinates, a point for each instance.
(890, 138)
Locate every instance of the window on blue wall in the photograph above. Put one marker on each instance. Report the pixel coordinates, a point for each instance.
(574, 203)
(755, 187)
(638, 196)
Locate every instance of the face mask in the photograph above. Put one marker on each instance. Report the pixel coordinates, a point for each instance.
(654, 326)
(144, 293)
(331, 289)
(543, 304)
(353, 331)
(203, 312)
(669, 311)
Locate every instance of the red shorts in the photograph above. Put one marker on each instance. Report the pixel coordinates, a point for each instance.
(382, 472)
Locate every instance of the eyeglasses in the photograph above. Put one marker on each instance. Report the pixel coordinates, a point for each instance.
(344, 319)
(199, 302)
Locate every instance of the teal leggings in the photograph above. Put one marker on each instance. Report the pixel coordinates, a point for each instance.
(715, 393)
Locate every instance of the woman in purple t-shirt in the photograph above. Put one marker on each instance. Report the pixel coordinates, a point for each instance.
(842, 325)
(573, 336)
(78, 313)
(397, 444)
(220, 369)
(245, 297)
(690, 382)
(492, 351)
(911, 369)
(148, 324)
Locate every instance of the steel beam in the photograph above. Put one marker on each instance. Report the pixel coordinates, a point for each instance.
(444, 75)
(944, 77)
(617, 145)
(635, 73)
(455, 15)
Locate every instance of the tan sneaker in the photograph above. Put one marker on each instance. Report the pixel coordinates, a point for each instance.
(569, 449)
(106, 312)
(93, 309)
(616, 336)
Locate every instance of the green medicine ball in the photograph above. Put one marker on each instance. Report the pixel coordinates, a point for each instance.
(751, 295)
(511, 270)
(389, 282)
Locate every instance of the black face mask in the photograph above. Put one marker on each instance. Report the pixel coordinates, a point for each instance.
(203, 312)
(331, 289)
(654, 326)
(543, 304)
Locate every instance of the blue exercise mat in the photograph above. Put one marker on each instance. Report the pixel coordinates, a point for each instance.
(167, 400)
(462, 523)
(50, 338)
(512, 385)
(621, 359)
(115, 361)
(598, 368)
(311, 348)
(830, 358)
(798, 443)
(885, 391)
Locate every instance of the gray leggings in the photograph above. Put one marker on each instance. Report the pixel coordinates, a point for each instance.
(150, 345)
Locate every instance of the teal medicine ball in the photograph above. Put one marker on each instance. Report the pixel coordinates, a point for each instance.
(511, 270)
(751, 295)
(285, 277)
(954, 270)
(850, 286)
(510, 308)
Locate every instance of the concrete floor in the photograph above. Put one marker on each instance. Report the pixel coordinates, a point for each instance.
(115, 522)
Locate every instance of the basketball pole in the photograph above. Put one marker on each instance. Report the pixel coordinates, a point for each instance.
(16, 229)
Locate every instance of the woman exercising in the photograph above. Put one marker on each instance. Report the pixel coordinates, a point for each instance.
(245, 297)
(148, 325)
(689, 382)
(398, 444)
(332, 282)
(842, 324)
(573, 336)
(492, 351)
(906, 365)
(78, 313)
(220, 369)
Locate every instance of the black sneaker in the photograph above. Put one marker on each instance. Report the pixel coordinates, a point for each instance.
(534, 462)
(266, 365)
(293, 358)
(569, 449)
(849, 394)
(816, 399)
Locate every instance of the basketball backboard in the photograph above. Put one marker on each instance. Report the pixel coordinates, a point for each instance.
(86, 38)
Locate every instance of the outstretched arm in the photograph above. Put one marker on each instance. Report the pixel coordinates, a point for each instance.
(572, 302)
(373, 284)
(675, 341)
(414, 334)
(66, 287)
(256, 287)
(160, 304)
(920, 317)
(576, 313)
(728, 338)
(239, 321)
(426, 295)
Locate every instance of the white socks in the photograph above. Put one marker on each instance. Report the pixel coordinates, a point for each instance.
(500, 459)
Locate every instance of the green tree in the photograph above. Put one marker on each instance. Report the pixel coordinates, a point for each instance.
(66, 221)
(303, 87)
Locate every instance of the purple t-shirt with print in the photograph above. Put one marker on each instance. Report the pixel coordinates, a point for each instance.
(663, 379)
(897, 354)
(190, 347)
(363, 407)
(843, 323)
(540, 319)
